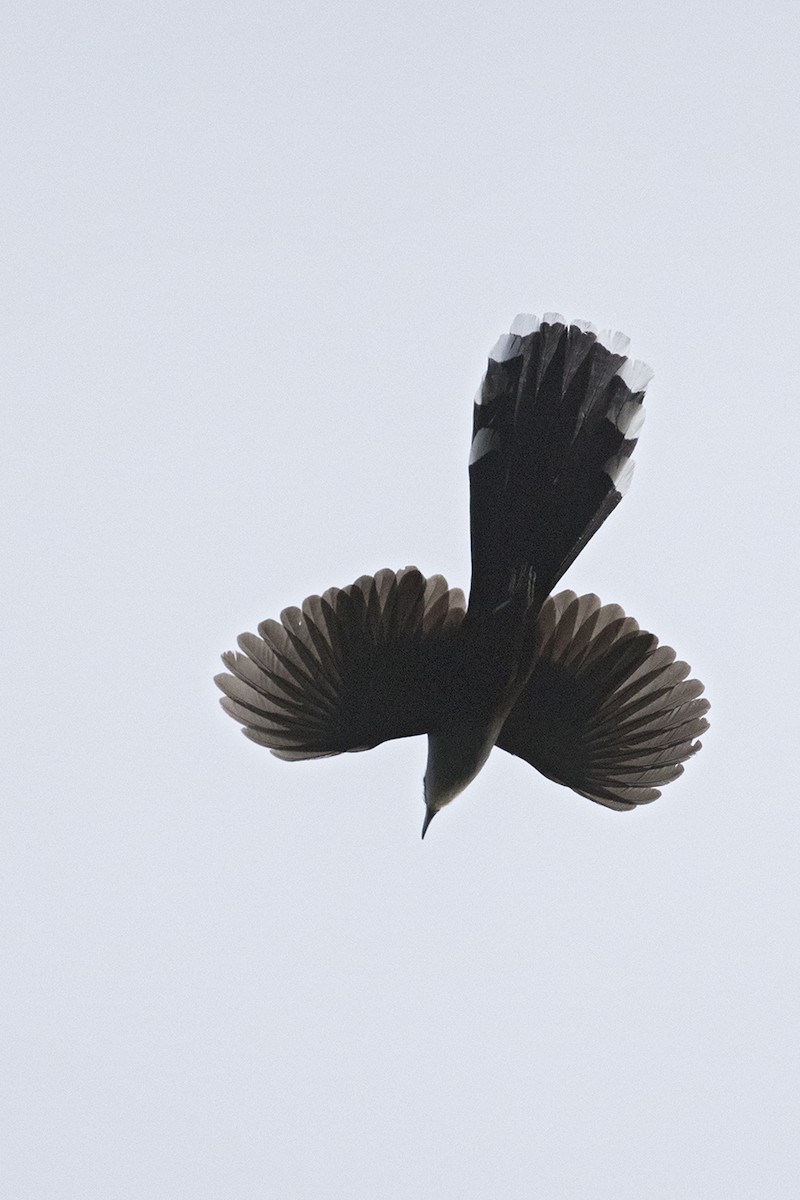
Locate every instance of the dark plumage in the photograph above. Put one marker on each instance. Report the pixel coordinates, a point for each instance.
(570, 685)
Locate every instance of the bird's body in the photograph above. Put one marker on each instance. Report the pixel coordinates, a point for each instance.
(490, 663)
(570, 685)
(459, 746)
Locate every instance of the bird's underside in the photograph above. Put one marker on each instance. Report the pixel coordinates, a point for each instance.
(572, 686)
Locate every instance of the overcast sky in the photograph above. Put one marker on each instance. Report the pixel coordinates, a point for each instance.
(254, 258)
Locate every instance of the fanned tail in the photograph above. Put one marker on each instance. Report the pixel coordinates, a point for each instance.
(555, 422)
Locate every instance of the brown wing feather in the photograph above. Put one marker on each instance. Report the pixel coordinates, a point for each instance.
(607, 711)
(346, 671)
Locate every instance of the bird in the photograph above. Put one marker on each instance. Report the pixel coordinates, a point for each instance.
(570, 685)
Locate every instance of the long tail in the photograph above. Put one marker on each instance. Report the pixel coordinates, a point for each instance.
(556, 420)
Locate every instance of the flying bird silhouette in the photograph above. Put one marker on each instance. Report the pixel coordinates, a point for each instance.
(571, 685)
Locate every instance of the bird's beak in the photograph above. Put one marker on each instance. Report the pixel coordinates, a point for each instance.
(430, 813)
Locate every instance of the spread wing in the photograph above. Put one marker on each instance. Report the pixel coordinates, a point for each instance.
(606, 711)
(349, 669)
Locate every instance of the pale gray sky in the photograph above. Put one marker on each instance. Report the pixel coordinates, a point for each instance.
(253, 261)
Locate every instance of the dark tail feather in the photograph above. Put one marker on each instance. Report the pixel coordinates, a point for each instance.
(555, 424)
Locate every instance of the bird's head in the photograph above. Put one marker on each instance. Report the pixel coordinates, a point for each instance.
(454, 759)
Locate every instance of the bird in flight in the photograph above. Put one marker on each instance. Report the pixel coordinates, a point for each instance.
(571, 685)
